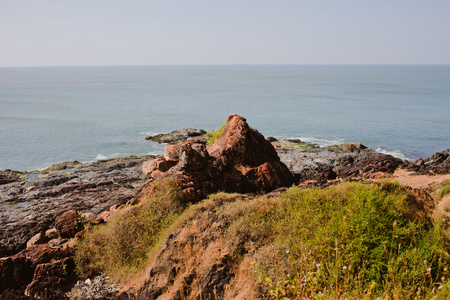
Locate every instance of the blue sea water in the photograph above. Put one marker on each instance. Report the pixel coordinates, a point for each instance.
(54, 114)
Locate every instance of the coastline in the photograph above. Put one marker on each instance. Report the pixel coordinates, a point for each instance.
(69, 194)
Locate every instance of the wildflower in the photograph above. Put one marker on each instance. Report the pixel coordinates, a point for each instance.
(344, 267)
(440, 287)
(317, 265)
(425, 261)
(445, 269)
(287, 251)
(418, 288)
(429, 270)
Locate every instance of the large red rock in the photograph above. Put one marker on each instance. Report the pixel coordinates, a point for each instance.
(55, 277)
(16, 272)
(241, 160)
(69, 223)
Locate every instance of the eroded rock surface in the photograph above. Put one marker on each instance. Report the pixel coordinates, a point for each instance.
(31, 206)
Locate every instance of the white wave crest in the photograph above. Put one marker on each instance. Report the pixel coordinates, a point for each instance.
(100, 156)
(394, 153)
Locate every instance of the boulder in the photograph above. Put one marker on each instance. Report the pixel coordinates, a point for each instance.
(176, 136)
(39, 238)
(51, 233)
(69, 223)
(52, 278)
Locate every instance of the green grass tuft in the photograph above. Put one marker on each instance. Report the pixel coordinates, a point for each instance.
(444, 189)
(213, 135)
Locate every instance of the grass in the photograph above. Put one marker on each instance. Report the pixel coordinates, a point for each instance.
(121, 247)
(444, 189)
(351, 241)
(213, 135)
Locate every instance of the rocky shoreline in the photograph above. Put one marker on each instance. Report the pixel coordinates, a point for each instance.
(41, 217)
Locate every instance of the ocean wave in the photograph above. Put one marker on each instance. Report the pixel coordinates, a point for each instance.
(394, 153)
(100, 156)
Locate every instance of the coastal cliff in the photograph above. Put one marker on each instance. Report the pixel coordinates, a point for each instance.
(225, 215)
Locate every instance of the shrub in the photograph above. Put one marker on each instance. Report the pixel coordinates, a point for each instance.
(122, 245)
(213, 135)
(352, 240)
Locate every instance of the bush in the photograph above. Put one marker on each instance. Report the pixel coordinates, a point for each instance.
(122, 245)
(352, 240)
(213, 135)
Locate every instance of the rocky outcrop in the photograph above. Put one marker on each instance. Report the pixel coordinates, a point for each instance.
(438, 163)
(176, 136)
(31, 206)
(8, 176)
(329, 164)
(241, 160)
(39, 269)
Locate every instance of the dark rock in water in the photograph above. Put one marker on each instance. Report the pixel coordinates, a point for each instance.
(31, 206)
(347, 147)
(176, 136)
(64, 165)
(240, 160)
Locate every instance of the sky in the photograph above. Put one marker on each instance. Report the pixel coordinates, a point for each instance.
(205, 32)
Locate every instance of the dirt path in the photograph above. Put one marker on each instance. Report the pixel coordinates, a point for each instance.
(442, 206)
(419, 181)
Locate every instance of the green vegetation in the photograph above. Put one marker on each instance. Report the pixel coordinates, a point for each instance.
(444, 189)
(213, 135)
(349, 241)
(122, 245)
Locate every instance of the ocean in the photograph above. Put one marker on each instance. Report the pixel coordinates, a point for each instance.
(54, 114)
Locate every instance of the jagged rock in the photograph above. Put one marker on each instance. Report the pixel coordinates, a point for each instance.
(16, 272)
(176, 136)
(438, 163)
(57, 277)
(241, 160)
(69, 223)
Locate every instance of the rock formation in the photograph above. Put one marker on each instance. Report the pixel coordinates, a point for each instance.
(241, 160)
(176, 136)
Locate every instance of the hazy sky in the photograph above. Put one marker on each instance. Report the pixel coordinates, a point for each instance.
(159, 32)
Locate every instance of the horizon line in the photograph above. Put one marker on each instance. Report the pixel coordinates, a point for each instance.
(222, 65)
